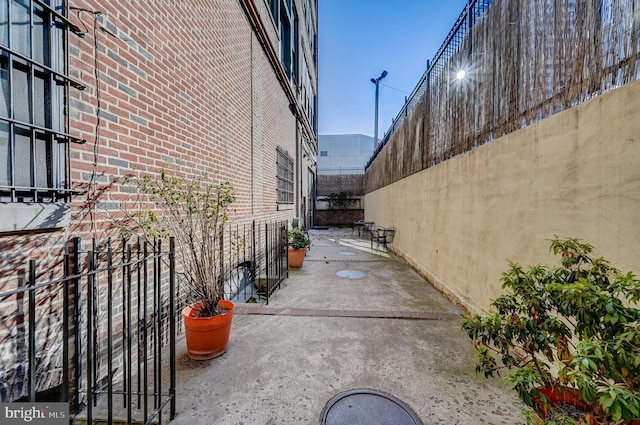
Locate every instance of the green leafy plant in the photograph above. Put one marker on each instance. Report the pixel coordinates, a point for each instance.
(343, 200)
(297, 239)
(574, 325)
(194, 210)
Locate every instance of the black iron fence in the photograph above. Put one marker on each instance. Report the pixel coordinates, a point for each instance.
(473, 10)
(129, 328)
(106, 327)
(255, 260)
(102, 335)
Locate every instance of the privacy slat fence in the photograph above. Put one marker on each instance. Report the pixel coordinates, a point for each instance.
(524, 60)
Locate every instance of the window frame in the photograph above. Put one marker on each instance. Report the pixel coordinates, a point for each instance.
(39, 56)
(285, 178)
(286, 31)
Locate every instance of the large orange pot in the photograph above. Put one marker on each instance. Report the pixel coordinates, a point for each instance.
(207, 337)
(567, 395)
(296, 257)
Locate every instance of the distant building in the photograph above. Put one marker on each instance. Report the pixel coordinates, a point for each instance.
(343, 153)
(340, 183)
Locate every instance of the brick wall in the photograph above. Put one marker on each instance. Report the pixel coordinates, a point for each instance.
(328, 184)
(178, 85)
(338, 217)
(174, 90)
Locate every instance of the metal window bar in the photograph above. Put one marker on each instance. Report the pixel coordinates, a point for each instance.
(39, 71)
(285, 177)
(32, 63)
(73, 28)
(58, 135)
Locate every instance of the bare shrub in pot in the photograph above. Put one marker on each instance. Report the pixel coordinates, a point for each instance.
(193, 209)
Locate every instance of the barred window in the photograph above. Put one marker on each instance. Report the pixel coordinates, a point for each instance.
(285, 178)
(33, 87)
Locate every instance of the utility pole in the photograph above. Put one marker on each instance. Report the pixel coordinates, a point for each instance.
(376, 81)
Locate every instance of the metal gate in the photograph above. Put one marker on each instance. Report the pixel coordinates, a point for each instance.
(97, 328)
(101, 337)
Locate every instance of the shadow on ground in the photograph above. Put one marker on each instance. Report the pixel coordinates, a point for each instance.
(324, 334)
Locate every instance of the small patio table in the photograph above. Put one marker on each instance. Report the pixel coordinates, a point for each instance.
(382, 235)
(363, 226)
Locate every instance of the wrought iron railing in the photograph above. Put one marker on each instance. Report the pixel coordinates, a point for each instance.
(106, 326)
(97, 329)
(255, 260)
(473, 10)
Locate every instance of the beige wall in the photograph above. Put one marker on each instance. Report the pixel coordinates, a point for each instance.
(574, 174)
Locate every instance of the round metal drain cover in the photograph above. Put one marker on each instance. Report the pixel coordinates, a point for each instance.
(367, 407)
(347, 253)
(351, 274)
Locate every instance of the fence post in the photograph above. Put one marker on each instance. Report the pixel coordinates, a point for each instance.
(65, 327)
(157, 328)
(266, 257)
(172, 327)
(90, 342)
(71, 362)
(128, 367)
(109, 331)
(145, 336)
(254, 259)
(32, 331)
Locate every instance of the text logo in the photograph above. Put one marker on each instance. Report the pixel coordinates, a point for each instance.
(34, 413)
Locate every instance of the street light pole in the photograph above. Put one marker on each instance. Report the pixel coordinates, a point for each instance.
(376, 81)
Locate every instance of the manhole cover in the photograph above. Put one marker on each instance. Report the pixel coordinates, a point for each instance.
(347, 253)
(367, 407)
(351, 274)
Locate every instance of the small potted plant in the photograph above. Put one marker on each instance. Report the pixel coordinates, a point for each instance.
(193, 210)
(567, 335)
(298, 243)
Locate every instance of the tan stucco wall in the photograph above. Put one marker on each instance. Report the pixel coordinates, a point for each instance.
(574, 174)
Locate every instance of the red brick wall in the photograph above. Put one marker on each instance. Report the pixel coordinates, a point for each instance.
(338, 217)
(179, 84)
(183, 85)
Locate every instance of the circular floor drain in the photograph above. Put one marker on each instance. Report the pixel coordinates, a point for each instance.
(367, 407)
(351, 274)
(347, 253)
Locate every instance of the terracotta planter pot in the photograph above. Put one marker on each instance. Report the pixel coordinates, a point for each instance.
(566, 395)
(557, 395)
(296, 257)
(207, 337)
(563, 395)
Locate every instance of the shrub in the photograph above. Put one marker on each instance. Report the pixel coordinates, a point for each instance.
(576, 325)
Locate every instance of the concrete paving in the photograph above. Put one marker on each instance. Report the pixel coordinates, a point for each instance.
(384, 329)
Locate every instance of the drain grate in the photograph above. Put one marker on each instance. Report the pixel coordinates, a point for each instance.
(351, 274)
(367, 407)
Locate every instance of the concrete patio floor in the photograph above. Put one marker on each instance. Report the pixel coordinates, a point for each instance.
(322, 334)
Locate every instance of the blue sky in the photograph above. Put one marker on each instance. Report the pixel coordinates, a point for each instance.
(358, 39)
